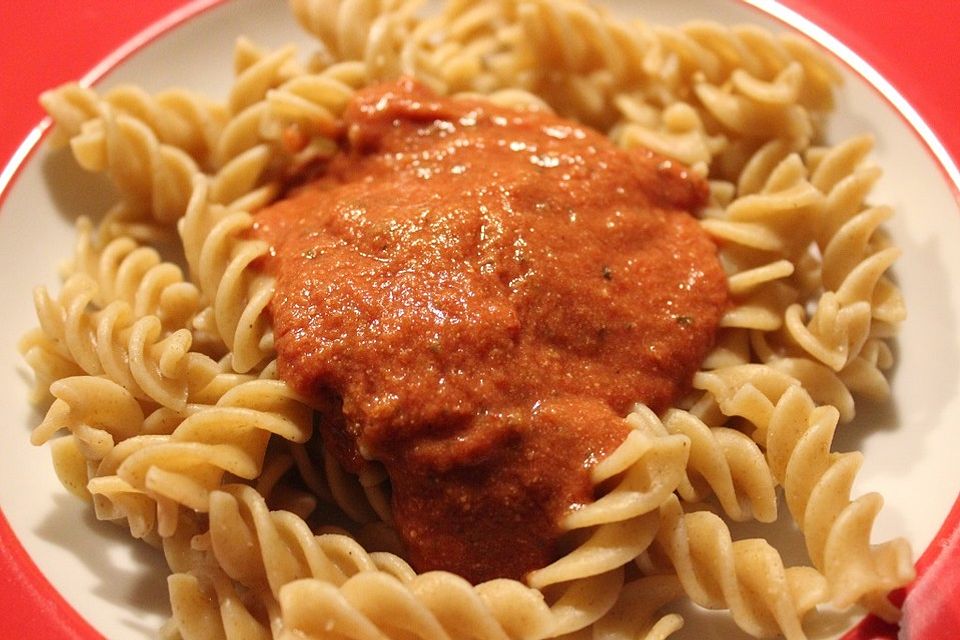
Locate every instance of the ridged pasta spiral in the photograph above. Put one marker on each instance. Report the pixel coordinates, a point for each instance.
(836, 269)
(247, 161)
(304, 112)
(182, 468)
(99, 415)
(152, 147)
(747, 94)
(737, 83)
(860, 304)
(740, 54)
(178, 118)
(370, 31)
(257, 72)
(112, 340)
(619, 526)
(284, 120)
(97, 411)
(152, 177)
(686, 91)
(363, 498)
(320, 581)
(48, 361)
(727, 464)
(765, 235)
(127, 271)
(221, 262)
(327, 586)
(470, 48)
(745, 576)
(796, 435)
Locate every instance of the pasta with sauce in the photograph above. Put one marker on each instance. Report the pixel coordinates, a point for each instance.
(179, 425)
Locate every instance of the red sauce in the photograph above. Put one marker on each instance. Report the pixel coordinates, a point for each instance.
(484, 293)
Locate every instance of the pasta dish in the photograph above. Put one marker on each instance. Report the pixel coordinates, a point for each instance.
(442, 330)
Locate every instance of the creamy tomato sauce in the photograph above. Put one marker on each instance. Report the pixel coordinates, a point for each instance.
(483, 294)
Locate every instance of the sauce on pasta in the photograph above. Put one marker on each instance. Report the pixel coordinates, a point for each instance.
(482, 293)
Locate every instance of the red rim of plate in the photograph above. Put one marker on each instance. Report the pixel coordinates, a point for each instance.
(33, 604)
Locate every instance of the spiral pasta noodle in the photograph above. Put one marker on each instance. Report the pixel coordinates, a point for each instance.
(797, 435)
(220, 261)
(179, 118)
(162, 377)
(746, 576)
(125, 270)
(183, 467)
(113, 341)
(365, 595)
(727, 464)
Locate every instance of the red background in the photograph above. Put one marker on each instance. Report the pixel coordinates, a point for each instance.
(47, 42)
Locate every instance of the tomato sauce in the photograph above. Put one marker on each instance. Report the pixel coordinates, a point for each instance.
(483, 293)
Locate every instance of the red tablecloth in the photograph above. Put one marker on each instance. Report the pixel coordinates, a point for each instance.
(47, 42)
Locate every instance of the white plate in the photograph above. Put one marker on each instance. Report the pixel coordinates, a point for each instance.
(909, 444)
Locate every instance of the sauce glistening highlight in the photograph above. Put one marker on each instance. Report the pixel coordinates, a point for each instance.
(475, 297)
